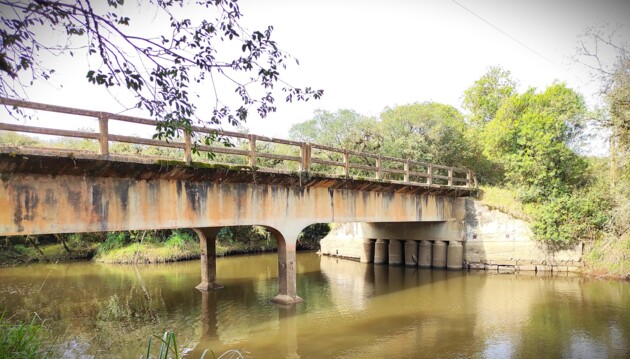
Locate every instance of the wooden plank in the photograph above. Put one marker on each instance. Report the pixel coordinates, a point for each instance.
(362, 167)
(399, 172)
(48, 131)
(278, 157)
(326, 148)
(145, 141)
(325, 162)
(224, 150)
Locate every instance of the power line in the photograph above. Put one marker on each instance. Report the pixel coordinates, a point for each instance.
(508, 35)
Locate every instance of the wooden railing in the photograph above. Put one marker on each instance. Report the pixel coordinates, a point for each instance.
(307, 156)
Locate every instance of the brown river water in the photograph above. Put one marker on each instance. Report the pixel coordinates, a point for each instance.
(351, 310)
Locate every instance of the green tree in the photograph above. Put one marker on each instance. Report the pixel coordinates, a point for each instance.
(428, 131)
(158, 63)
(484, 98)
(344, 129)
(531, 136)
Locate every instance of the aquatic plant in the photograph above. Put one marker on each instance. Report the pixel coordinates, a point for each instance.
(168, 346)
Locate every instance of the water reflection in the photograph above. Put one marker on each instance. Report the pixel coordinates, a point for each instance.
(352, 310)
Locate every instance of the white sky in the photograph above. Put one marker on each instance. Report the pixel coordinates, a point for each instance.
(369, 54)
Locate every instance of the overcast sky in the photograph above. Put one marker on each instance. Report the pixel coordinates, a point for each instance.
(368, 55)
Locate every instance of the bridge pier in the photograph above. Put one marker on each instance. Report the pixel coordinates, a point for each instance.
(411, 253)
(425, 258)
(439, 254)
(287, 268)
(207, 241)
(395, 252)
(455, 255)
(380, 251)
(368, 251)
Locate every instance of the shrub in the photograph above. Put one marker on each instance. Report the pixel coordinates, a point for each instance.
(569, 218)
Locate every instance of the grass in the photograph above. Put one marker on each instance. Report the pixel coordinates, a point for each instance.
(144, 253)
(505, 200)
(168, 346)
(20, 254)
(21, 340)
(242, 248)
(609, 257)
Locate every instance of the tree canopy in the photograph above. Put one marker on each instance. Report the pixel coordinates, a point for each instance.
(483, 99)
(158, 59)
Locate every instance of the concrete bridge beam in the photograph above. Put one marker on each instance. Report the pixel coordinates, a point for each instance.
(207, 241)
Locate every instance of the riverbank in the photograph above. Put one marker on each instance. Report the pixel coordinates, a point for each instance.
(143, 247)
(606, 254)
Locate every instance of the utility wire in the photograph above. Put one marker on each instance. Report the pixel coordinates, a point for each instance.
(508, 35)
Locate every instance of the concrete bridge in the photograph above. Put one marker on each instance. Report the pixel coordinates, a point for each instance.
(53, 190)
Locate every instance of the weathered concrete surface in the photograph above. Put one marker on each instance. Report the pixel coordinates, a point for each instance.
(44, 194)
(491, 240)
(497, 239)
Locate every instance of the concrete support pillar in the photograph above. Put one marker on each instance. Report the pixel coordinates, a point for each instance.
(368, 251)
(455, 255)
(425, 255)
(380, 251)
(287, 273)
(411, 253)
(207, 241)
(395, 252)
(439, 254)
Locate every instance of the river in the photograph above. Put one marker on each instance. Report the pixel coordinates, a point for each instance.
(351, 310)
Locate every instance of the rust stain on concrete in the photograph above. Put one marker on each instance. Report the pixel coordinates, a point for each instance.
(132, 196)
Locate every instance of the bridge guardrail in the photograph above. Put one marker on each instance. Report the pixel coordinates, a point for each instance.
(307, 156)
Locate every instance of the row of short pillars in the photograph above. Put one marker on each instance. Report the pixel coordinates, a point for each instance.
(424, 253)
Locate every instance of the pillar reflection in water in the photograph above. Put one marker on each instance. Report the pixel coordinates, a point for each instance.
(209, 339)
(288, 330)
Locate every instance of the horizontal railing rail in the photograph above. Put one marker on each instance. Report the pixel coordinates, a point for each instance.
(305, 155)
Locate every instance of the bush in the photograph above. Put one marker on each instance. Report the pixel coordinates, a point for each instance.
(113, 240)
(179, 239)
(569, 218)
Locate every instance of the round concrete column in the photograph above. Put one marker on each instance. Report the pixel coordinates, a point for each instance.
(411, 253)
(380, 251)
(395, 252)
(368, 251)
(455, 255)
(425, 256)
(439, 254)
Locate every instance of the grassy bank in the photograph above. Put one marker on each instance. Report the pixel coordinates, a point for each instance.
(582, 217)
(144, 247)
(48, 253)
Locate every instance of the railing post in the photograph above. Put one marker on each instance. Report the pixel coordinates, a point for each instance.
(468, 178)
(406, 164)
(474, 180)
(252, 150)
(346, 163)
(103, 129)
(430, 175)
(187, 147)
(450, 176)
(379, 174)
(305, 157)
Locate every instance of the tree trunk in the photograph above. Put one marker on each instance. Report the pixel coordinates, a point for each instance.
(63, 242)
